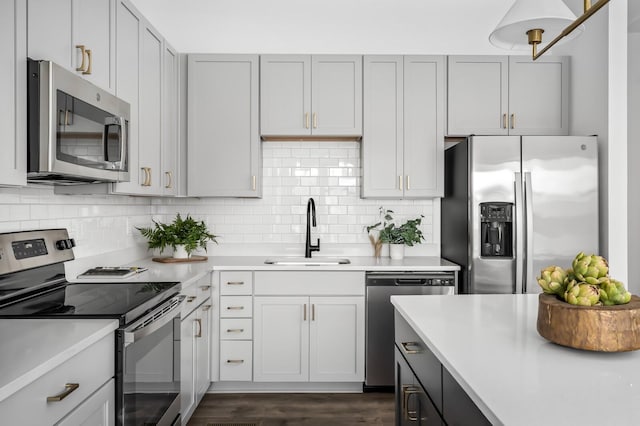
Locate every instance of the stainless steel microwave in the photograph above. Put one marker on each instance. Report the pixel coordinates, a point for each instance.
(77, 133)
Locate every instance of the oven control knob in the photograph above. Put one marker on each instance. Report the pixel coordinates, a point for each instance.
(65, 244)
(60, 244)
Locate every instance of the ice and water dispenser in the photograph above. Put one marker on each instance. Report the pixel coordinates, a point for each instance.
(496, 229)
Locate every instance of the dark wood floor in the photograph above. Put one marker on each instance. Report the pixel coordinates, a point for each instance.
(307, 409)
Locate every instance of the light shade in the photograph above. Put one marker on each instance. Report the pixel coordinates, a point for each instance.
(552, 16)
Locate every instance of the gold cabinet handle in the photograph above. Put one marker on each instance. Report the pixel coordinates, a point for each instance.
(304, 312)
(205, 287)
(169, 180)
(147, 176)
(90, 58)
(306, 120)
(83, 53)
(315, 120)
(235, 282)
(68, 389)
(235, 330)
(405, 347)
(407, 392)
(235, 361)
(235, 308)
(408, 183)
(513, 121)
(206, 307)
(313, 312)
(253, 183)
(504, 121)
(191, 299)
(400, 182)
(199, 322)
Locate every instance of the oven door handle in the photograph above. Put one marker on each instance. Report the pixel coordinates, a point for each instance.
(153, 321)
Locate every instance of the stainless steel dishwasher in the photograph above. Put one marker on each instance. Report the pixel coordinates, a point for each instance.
(379, 363)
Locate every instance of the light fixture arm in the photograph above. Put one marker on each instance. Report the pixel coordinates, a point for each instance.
(588, 12)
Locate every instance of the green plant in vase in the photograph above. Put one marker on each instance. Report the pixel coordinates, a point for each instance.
(182, 235)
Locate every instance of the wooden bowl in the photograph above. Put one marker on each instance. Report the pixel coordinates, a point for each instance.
(594, 328)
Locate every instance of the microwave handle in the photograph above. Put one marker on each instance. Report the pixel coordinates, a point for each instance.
(121, 123)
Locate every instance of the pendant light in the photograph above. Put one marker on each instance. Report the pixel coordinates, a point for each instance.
(528, 22)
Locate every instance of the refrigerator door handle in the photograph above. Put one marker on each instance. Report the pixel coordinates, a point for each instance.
(519, 235)
(528, 211)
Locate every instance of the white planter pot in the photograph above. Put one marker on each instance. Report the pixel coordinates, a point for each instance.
(396, 251)
(180, 253)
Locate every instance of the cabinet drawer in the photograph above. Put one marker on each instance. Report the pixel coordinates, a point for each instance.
(235, 360)
(236, 283)
(307, 283)
(423, 362)
(90, 369)
(196, 293)
(235, 306)
(235, 329)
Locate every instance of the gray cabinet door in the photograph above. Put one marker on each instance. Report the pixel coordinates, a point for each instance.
(128, 29)
(336, 95)
(285, 95)
(478, 95)
(382, 174)
(423, 124)
(170, 140)
(13, 93)
(224, 143)
(539, 95)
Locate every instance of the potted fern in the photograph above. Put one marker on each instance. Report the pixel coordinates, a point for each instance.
(184, 236)
(398, 237)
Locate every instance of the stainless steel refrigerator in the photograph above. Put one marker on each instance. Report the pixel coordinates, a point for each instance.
(516, 204)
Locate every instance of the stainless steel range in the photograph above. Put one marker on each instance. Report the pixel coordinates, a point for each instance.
(33, 285)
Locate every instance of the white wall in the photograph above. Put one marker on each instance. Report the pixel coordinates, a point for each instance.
(99, 224)
(634, 145)
(276, 224)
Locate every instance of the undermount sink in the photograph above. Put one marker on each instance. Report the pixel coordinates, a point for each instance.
(304, 261)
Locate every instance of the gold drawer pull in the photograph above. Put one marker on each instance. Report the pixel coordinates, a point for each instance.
(235, 282)
(407, 392)
(205, 287)
(68, 388)
(235, 330)
(405, 346)
(199, 322)
(235, 361)
(83, 65)
(191, 299)
(206, 307)
(235, 308)
(90, 58)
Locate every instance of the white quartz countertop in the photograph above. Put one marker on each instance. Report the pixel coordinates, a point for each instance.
(33, 347)
(187, 271)
(490, 345)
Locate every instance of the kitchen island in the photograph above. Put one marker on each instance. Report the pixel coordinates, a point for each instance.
(490, 346)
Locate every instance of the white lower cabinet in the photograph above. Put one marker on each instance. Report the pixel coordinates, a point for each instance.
(71, 393)
(316, 339)
(195, 346)
(235, 360)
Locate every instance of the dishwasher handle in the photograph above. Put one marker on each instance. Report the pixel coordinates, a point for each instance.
(410, 281)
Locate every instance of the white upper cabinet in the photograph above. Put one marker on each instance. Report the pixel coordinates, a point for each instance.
(78, 35)
(140, 63)
(224, 154)
(403, 139)
(13, 93)
(303, 95)
(501, 95)
(170, 138)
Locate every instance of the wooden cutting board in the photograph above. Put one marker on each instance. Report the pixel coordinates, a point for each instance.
(193, 258)
(594, 328)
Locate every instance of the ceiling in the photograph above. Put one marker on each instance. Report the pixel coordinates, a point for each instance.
(360, 26)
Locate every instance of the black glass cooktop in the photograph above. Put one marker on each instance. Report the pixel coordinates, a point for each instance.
(123, 301)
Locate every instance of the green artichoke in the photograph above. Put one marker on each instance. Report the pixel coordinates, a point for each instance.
(553, 279)
(612, 292)
(589, 269)
(581, 293)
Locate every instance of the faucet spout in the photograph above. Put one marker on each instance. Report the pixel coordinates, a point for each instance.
(311, 219)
